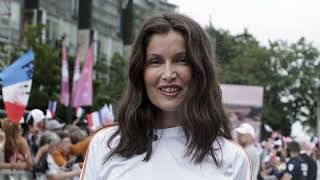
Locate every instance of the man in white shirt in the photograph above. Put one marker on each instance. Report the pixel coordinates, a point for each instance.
(247, 139)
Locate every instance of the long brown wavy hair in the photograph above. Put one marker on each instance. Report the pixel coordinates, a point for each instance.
(12, 132)
(201, 115)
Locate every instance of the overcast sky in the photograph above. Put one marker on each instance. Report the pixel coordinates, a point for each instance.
(265, 19)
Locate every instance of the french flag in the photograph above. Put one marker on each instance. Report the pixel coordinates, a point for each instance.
(52, 107)
(17, 81)
(94, 121)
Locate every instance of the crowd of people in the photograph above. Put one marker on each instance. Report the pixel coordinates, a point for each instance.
(52, 150)
(279, 157)
(43, 146)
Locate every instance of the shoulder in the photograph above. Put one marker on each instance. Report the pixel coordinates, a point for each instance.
(100, 138)
(231, 148)
(23, 143)
(234, 158)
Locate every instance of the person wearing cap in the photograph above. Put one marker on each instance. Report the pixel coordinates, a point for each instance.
(54, 125)
(34, 125)
(247, 138)
(297, 168)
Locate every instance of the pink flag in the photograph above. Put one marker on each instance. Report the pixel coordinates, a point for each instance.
(76, 76)
(83, 94)
(64, 96)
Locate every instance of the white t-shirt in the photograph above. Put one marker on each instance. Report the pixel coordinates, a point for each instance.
(167, 162)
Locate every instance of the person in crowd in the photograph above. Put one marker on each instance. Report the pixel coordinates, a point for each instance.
(50, 142)
(2, 142)
(55, 125)
(171, 121)
(312, 164)
(268, 171)
(16, 150)
(77, 134)
(297, 168)
(62, 154)
(317, 157)
(34, 125)
(247, 139)
(67, 153)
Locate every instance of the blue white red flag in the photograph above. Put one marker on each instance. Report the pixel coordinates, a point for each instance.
(106, 114)
(94, 121)
(17, 81)
(64, 95)
(52, 107)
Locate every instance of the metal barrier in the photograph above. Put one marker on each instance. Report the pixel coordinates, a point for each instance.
(7, 174)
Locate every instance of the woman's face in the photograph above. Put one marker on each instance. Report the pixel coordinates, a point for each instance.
(167, 72)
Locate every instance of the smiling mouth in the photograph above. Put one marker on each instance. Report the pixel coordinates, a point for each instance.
(170, 91)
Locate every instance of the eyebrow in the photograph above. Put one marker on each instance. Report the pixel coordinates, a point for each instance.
(158, 55)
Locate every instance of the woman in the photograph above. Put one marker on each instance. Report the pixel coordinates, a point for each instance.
(171, 121)
(34, 125)
(16, 150)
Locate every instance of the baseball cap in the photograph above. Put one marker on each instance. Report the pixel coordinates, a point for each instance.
(37, 115)
(246, 128)
(54, 124)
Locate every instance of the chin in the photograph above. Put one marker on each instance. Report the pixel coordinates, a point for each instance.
(168, 107)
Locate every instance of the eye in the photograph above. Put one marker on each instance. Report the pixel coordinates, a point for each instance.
(154, 61)
(181, 60)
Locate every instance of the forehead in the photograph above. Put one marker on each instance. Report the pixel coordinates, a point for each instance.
(169, 42)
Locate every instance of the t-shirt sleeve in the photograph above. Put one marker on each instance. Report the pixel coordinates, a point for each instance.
(95, 156)
(293, 168)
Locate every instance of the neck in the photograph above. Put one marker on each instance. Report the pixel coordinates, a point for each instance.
(167, 120)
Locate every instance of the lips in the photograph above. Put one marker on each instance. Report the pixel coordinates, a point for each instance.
(170, 90)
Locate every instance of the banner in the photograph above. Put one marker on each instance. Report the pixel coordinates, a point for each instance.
(64, 95)
(17, 81)
(83, 94)
(243, 104)
(76, 76)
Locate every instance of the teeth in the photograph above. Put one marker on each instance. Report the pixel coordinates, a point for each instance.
(169, 90)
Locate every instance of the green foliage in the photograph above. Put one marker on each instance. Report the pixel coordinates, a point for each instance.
(46, 77)
(111, 79)
(289, 74)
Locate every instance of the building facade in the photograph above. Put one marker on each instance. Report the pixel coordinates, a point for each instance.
(111, 25)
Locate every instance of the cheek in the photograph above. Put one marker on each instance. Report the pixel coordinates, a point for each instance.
(185, 74)
(150, 78)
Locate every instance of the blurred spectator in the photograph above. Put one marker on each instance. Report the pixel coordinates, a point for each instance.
(297, 168)
(34, 125)
(16, 150)
(62, 154)
(54, 172)
(77, 134)
(67, 153)
(2, 142)
(317, 155)
(312, 164)
(247, 139)
(55, 125)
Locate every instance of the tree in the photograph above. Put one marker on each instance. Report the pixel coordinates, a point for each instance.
(111, 80)
(288, 73)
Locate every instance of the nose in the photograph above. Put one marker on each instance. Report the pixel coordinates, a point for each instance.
(169, 73)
